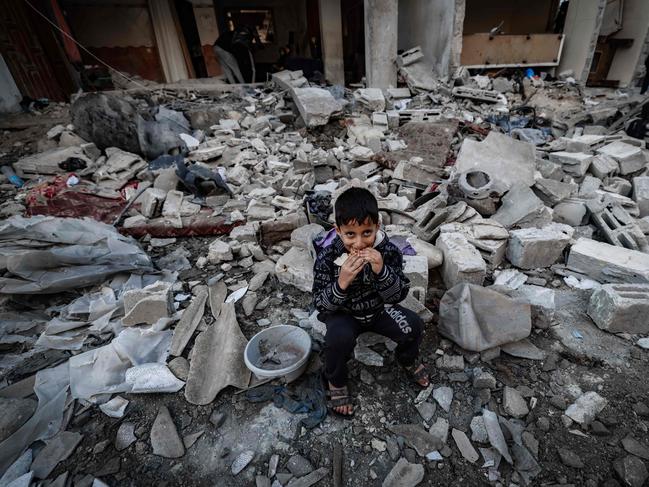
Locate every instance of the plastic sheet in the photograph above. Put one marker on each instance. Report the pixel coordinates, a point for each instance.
(50, 254)
(103, 370)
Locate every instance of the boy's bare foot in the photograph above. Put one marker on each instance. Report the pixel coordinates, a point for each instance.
(340, 400)
(420, 375)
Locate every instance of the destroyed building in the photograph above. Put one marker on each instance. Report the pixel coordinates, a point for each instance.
(159, 225)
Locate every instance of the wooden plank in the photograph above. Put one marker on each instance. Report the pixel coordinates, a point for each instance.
(481, 50)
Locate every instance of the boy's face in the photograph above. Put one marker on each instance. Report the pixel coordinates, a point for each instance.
(358, 236)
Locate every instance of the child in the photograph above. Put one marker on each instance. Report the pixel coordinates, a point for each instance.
(362, 294)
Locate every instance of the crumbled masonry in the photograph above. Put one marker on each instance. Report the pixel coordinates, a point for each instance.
(158, 231)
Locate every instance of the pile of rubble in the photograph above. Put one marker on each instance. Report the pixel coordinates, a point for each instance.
(523, 218)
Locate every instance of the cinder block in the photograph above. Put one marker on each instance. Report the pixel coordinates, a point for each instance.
(574, 163)
(530, 248)
(151, 202)
(462, 261)
(621, 308)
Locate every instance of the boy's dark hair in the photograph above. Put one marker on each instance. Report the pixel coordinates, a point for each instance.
(356, 204)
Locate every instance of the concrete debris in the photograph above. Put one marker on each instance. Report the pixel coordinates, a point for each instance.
(511, 160)
(620, 308)
(533, 186)
(404, 474)
(586, 407)
(165, 440)
(530, 248)
(608, 263)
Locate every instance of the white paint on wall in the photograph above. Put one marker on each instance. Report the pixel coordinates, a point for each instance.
(635, 25)
(9, 93)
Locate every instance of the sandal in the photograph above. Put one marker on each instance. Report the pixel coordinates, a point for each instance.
(419, 373)
(337, 398)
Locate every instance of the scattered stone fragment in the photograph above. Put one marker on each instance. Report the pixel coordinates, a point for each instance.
(631, 470)
(272, 465)
(56, 449)
(164, 436)
(426, 410)
(180, 367)
(242, 461)
(621, 308)
(404, 474)
(367, 356)
(513, 403)
(417, 438)
(262, 481)
(439, 430)
(464, 445)
(478, 430)
(450, 363)
(192, 438)
(586, 407)
(444, 397)
(217, 418)
(483, 379)
(310, 479)
(570, 458)
(125, 436)
(634, 447)
(299, 466)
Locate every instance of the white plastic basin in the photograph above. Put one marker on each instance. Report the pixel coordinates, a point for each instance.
(289, 348)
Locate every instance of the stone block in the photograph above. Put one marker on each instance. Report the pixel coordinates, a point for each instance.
(296, 268)
(244, 233)
(372, 98)
(415, 267)
(147, 305)
(303, 236)
(433, 255)
(513, 403)
(553, 192)
(541, 300)
(315, 105)
(219, 252)
(621, 308)
(522, 208)
(585, 143)
(486, 235)
(151, 202)
(603, 166)
(607, 263)
(641, 194)
(573, 163)
(462, 261)
(629, 157)
(530, 248)
(365, 171)
(172, 204)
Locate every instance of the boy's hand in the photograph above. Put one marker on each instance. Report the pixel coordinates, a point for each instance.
(349, 270)
(374, 258)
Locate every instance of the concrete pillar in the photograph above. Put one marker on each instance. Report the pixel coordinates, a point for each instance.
(583, 21)
(381, 27)
(332, 41)
(635, 25)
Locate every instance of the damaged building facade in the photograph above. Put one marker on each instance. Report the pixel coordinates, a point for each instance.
(160, 224)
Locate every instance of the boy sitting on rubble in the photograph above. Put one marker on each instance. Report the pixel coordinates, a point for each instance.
(361, 294)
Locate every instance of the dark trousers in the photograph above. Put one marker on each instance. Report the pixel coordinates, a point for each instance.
(399, 324)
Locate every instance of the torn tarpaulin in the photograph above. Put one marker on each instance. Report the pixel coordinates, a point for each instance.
(48, 254)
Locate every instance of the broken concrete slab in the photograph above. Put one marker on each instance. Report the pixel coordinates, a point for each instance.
(48, 162)
(462, 261)
(15, 413)
(404, 474)
(573, 163)
(630, 158)
(631, 470)
(530, 248)
(148, 305)
(217, 357)
(125, 436)
(522, 208)
(513, 403)
(165, 440)
(310, 479)
(372, 98)
(188, 322)
(295, 268)
(523, 349)
(56, 449)
(487, 235)
(416, 437)
(464, 445)
(608, 263)
(641, 194)
(603, 166)
(621, 308)
(512, 160)
(586, 408)
(444, 397)
(495, 434)
(617, 225)
(315, 105)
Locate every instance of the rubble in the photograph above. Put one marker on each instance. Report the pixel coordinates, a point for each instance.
(519, 190)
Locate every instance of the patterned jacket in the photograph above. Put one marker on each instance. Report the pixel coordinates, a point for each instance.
(368, 293)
